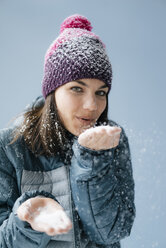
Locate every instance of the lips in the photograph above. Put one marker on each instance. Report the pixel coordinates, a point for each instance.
(85, 120)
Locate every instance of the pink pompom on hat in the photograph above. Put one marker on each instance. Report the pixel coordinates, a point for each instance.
(77, 53)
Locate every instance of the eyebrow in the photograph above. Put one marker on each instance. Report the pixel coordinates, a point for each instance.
(84, 84)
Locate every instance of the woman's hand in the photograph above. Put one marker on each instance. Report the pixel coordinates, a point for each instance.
(100, 138)
(45, 215)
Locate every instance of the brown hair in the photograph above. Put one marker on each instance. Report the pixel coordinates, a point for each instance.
(43, 130)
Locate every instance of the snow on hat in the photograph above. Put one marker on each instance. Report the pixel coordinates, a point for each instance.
(77, 53)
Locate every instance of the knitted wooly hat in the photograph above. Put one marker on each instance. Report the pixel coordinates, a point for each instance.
(77, 53)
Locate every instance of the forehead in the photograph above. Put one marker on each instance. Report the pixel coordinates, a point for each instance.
(89, 83)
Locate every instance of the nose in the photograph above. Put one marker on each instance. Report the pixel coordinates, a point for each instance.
(90, 103)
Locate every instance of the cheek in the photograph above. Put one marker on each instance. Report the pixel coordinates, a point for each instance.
(66, 106)
(102, 107)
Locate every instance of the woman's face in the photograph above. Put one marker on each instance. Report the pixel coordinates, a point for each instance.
(80, 103)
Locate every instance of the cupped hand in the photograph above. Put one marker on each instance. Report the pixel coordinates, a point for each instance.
(45, 215)
(100, 138)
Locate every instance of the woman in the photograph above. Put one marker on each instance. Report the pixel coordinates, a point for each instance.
(65, 169)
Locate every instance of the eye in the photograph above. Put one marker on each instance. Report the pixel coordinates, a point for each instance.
(76, 89)
(101, 93)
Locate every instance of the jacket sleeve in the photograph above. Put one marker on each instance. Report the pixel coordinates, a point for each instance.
(103, 191)
(15, 233)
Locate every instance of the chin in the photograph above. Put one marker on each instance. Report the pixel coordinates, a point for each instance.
(78, 131)
(74, 132)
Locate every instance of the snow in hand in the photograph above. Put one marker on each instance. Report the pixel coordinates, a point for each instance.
(55, 220)
(100, 137)
(107, 128)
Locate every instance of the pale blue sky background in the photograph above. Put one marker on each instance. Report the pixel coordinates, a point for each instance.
(135, 36)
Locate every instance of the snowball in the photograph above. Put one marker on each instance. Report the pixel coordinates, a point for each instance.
(57, 219)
